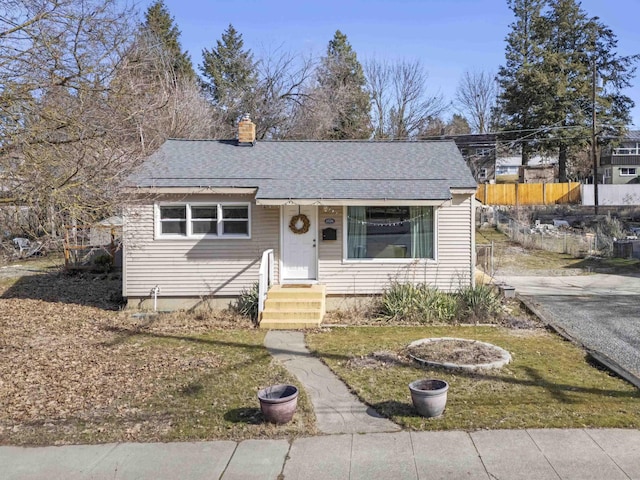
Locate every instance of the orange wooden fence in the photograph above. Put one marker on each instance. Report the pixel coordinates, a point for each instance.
(528, 193)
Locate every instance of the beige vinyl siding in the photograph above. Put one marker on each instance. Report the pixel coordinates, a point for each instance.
(223, 267)
(195, 267)
(451, 269)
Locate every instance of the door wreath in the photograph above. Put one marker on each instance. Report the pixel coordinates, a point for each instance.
(293, 224)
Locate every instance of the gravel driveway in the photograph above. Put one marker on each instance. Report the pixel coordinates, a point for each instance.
(600, 311)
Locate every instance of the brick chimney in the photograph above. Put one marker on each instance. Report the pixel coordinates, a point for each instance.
(246, 131)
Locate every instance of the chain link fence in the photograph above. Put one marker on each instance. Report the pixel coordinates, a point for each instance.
(484, 257)
(551, 238)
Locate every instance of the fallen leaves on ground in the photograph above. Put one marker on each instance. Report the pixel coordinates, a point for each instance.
(69, 358)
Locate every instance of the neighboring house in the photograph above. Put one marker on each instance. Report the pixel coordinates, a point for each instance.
(352, 216)
(489, 157)
(621, 164)
(479, 151)
(511, 165)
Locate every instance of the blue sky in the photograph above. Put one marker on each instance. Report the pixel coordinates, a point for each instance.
(447, 36)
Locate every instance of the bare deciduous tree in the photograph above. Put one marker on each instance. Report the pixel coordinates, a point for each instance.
(163, 104)
(56, 61)
(76, 112)
(475, 98)
(315, 117)
(401, 104)
(282, 88)
(336, 104)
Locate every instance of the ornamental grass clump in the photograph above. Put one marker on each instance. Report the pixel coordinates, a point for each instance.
(479, 303)
(399, 301)
(247, 303)
(406, 302)
(418, 303)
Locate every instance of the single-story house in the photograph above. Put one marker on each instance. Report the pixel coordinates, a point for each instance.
(348, 216)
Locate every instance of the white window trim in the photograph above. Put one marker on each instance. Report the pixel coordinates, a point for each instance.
(635, 172)
(190, 235)
(401, 261)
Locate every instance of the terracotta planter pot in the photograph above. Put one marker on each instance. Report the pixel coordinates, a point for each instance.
(429, 396)
(278, 403)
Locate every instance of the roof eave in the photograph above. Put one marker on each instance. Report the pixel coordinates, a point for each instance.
(464, 190)
(336, 202)
(193, 190)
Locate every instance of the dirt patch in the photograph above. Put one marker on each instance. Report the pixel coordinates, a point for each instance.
(377, 360)
(29, 266)
(459, 352)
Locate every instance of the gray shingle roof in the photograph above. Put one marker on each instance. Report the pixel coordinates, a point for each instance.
(633, 135)
(311, 169)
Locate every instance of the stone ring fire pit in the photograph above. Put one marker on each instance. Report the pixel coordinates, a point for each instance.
(458, 353)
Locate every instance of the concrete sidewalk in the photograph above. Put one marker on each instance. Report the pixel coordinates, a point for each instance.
(488, 454)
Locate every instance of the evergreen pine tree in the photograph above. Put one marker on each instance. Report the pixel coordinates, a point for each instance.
(161, 24)
(341, 79)
(571, 44)
(458, 125)
(231, 77)
(547, 82)
(520, 92)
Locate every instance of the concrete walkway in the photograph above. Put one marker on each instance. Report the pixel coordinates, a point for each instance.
(337, 410)
(486, 455)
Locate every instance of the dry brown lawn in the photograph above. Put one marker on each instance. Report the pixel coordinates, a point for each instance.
(75, 369)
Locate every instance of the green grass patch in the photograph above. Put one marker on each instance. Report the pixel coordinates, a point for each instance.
(618, 265)
(221, 402)
(549, 384)
(540, 260)
(488, 235)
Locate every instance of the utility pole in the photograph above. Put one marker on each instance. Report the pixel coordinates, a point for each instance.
(594, 156)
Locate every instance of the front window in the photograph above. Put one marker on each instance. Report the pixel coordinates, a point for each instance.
(173, 220)
(199, 220)
(204, 220)
(390, 232)
(235, 220)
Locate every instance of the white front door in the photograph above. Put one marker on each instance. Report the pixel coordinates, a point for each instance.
(299, 259)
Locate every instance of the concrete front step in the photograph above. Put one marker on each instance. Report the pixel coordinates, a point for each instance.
(284, 304)
(282, 324)
(293, 307)
(313, 292)
(293, 313)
